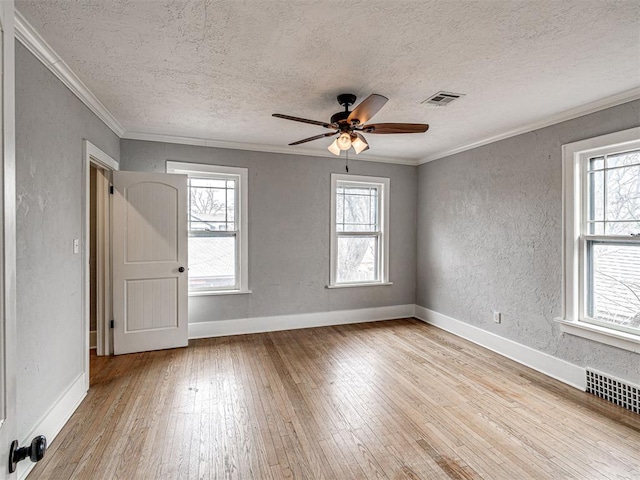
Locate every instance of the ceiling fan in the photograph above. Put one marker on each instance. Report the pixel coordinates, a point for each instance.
(351, 124)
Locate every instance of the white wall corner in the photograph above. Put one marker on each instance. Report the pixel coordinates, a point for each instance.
(542, 362)
(240, 326)
(55, 419)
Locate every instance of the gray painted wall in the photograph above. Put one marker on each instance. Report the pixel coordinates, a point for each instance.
(289, 231)
(490, 238)
(50, 126)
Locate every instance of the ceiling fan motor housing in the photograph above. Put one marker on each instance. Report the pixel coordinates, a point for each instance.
(340, 117)
(346, 100)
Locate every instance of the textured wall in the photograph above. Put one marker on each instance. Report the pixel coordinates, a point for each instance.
(289, 231)
(50, 126)
(490, 238)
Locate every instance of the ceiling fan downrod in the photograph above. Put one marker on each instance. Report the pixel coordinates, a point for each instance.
(346, 100)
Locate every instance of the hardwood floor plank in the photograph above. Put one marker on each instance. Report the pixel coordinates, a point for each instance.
(389, 400)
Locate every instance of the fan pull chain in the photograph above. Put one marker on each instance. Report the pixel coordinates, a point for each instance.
(346, 167)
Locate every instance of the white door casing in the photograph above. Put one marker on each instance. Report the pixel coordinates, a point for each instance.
(7, 240)
(93, 156)
(149, 250)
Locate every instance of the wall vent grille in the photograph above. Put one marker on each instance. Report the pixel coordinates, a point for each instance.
(442, 99)
(616, 391)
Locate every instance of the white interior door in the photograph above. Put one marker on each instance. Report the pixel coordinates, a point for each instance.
(149, 261)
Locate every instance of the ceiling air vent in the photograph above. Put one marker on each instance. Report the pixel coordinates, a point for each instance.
(442, 99)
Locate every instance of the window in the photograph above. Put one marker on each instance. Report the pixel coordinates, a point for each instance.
(602, 238)
(359, 231)
(217, 223)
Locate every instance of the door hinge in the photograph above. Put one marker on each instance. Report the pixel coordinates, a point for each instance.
(112, 324)
(111, 189)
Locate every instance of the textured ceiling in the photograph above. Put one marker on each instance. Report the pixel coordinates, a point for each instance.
(218, 69)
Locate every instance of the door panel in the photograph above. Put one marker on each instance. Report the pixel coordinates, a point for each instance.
(160, 295)
(152, 222)
(149, 247)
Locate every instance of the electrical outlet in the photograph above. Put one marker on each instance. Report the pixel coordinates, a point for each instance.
(497, 317)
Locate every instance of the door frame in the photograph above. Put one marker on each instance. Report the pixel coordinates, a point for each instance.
(8, 323)
(92, 155)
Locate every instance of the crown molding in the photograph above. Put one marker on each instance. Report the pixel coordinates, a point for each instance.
(152, 135)
(37, 45)
(607, 102)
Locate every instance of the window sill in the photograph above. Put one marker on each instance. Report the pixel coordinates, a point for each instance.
(608, 336)
(219, 292)
(351, 285)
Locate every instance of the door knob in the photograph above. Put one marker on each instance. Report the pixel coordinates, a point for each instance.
(35, 452)
(181, 269)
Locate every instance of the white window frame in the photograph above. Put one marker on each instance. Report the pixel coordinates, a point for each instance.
(200, 170)
(383, 208)
(574, 279)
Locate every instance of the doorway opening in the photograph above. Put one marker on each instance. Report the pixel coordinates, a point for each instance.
(98, 167)
(98, 255)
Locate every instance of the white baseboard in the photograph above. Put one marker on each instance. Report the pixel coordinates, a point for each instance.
(55, 418)
(542, 362)
(221, 328)
(93, 339)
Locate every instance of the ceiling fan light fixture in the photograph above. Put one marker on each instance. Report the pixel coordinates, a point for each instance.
(344, 141)
(333, 148)
(358, 144)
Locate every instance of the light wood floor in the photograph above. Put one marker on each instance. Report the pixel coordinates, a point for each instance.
(397, 399)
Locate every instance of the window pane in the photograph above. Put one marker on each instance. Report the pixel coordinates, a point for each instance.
(340, 209)
(596, 228)
(615, 284)
(620, 159)
(212, 262)
(357, 209)
(357, 259)
(596, 163)
(212, 204)
(622, 228)
(596, 195)
(623, 193)
(231, 205)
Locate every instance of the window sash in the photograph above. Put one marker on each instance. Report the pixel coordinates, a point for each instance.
(196, 233)
(375, 227)
(586, 241)
(226, 178)
(373, 223)
(378, 254)
(361, 233)
(221, 234)
(587, 244)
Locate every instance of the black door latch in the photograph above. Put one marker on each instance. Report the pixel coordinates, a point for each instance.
(35, 452)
